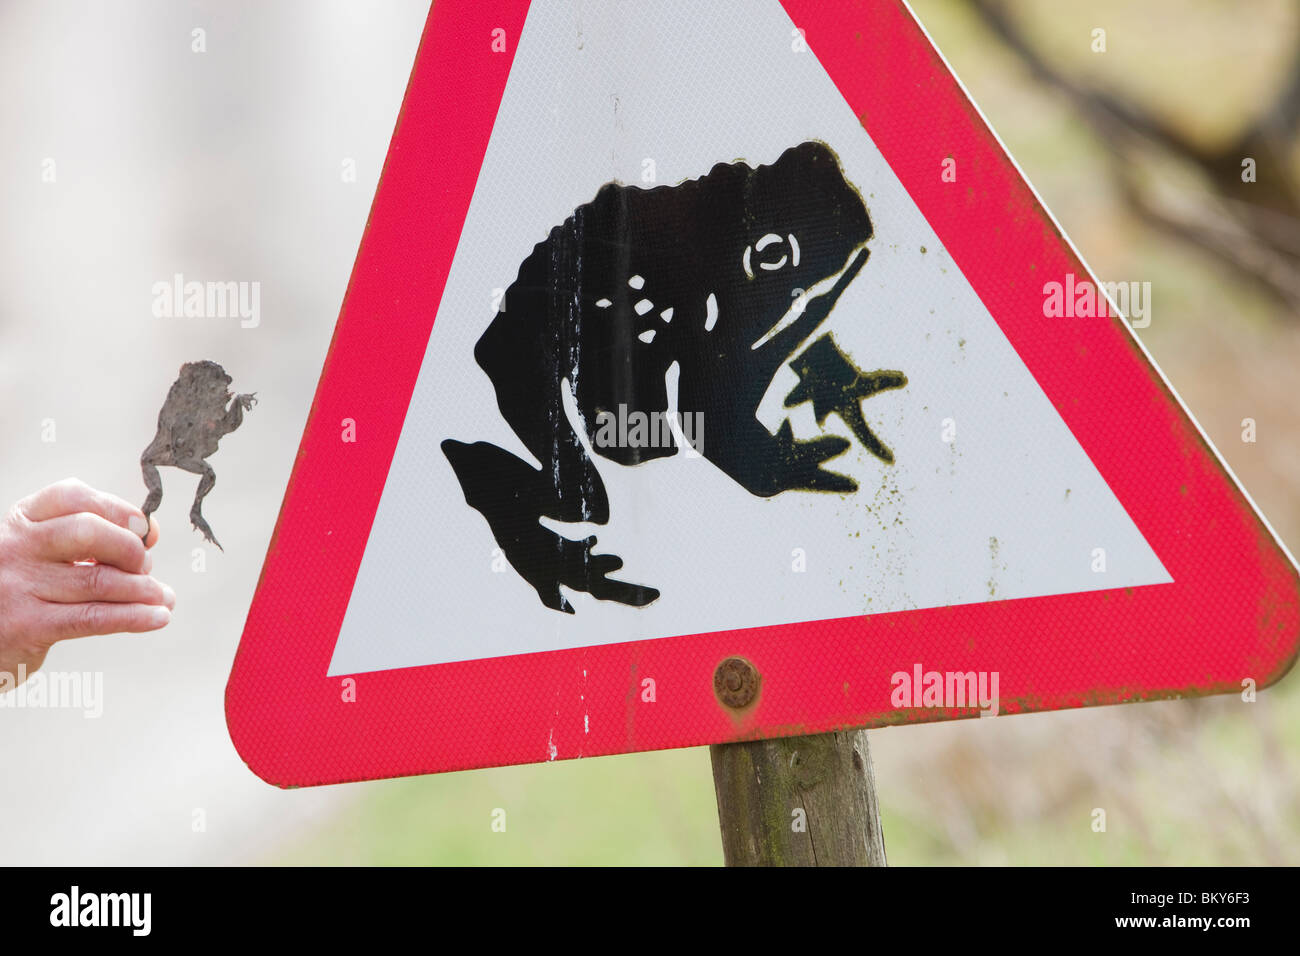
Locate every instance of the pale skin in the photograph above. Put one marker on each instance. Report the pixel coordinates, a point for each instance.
(74, 562)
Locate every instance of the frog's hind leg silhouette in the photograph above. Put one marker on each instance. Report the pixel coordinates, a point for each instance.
(513, 495)
(529, 373)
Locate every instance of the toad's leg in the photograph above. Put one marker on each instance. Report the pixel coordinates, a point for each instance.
(741, 447)
(153, 484)
(158, 453)
(766, 464)
(513, 495)
(200, 467)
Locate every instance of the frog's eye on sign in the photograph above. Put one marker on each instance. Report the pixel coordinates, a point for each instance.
(789, 407)
(768, 265)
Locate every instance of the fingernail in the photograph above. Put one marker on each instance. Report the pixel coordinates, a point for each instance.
(148, 562)
(158, 616)
(137, 525)
(169, 596)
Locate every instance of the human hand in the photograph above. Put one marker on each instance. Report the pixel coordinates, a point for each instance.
(72, 564)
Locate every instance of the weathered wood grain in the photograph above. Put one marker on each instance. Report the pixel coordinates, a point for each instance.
(762, 784)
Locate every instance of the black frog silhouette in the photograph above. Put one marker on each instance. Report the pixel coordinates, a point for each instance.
(724, 276)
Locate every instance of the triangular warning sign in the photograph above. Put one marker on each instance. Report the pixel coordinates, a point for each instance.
(687, 332)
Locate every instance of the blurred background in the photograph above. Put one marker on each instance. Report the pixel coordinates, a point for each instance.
(128, 154)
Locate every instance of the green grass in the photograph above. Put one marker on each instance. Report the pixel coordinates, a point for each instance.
(653, 809)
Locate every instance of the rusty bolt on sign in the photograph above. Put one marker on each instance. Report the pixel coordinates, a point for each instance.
(736, 682)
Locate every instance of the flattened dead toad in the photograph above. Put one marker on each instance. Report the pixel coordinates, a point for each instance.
(193, 419)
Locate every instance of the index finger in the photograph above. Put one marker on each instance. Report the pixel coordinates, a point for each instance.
(72, 496)
(85, 536)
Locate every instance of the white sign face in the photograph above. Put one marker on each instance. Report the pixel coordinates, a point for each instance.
(989, 497)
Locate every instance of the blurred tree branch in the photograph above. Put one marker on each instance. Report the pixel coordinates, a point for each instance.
(1253, 227)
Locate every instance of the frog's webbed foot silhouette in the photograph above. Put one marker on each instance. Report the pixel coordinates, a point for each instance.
(833, 384)
(800, 462)
(580, 568)
(767, 465)
(513, 497)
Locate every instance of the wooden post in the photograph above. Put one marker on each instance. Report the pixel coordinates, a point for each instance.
(761, 785)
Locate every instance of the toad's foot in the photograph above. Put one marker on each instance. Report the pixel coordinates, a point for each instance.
(513, 496)
(800, 467)
(579, 568)
(200, 525)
